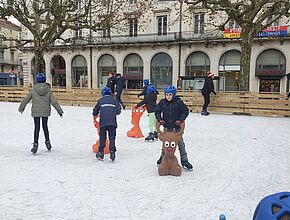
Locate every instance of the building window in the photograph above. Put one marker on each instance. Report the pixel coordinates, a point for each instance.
(199, 23)
(133, 27)
(161, 70)
(11, 56)
(133, 71)
(106, 65)
(106, 33)
(105, 3)
(269, 85)
(78, 33)
(162, 25)
(1, 57)
(133, 1)
(79, 72)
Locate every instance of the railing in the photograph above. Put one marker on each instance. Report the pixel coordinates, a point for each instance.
(270, 104)
(148, 38)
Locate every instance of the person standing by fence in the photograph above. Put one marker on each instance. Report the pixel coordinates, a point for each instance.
(207, 88)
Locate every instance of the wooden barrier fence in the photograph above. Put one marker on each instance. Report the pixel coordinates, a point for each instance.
(245, 103)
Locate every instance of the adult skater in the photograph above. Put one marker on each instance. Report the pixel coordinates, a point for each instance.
(207, 88)
(111, 82)
(42, 98)
(120, 85)
(171, 112)
(150, 102)
(108, 108)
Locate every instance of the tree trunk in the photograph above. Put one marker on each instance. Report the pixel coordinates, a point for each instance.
(247, 39)
(39, 61)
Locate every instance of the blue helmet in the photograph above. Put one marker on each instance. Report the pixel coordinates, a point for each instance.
(273, 207)
(146, 82)
(170, 89)
(40, 78)
(106, 91)
(151, 89)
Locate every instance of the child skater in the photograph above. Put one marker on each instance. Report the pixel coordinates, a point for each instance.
(108, 108)
(171, 112)
(42, 98)
(150, 102)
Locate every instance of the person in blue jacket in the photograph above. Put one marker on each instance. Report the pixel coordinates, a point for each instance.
(171, 112)
(120, 85)
(108, 108)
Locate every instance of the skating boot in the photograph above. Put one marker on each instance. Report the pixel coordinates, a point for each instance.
(186, 165)
(34, 148)
(100, 155)
(150, 137)
(159, 160)
(48, 145)
(112, 155)
(155, 134)
(205, 113)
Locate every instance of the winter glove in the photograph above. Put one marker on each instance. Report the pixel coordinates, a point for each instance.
(61, 115)
(136, 107)
(177, 123)
(214, 92)
(162, 122)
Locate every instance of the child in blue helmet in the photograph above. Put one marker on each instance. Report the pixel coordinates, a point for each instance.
(150, 102)
(171, 112)
(108, 108)
(42, 98)
(144, 91)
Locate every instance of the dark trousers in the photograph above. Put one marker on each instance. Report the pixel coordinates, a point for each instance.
(206, 98)
(37, 128)
(118, 98)
(112, 137)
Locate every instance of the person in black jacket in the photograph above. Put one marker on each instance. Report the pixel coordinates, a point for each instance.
(288, 95)
(150, 102)
(108, 108)
(207, 88)
(144, 91)
(120, 85)
(171, 112)
(111, 82)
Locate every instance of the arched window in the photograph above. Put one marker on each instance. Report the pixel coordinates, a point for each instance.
(106, 65)
(161, 70)
(197, 64)
(270, 68)
(133, 71)
(229, 71)
(79, 72)
(57, 66)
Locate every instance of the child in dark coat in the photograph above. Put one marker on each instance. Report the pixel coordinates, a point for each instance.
(108, 108)
(150, 102)
(171, 112)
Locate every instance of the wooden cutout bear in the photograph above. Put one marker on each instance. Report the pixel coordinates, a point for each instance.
(169, 163)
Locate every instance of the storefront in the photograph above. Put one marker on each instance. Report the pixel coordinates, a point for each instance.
(8, 79)
(58, 71)
(133, 71)
(270, 68)
(229, 71)
(197, 66)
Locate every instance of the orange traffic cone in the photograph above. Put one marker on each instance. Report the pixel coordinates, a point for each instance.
(136, 132)
(96, 145)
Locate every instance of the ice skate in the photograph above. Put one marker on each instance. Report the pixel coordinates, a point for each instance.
(186, 165)
(48, 145)
(205, 113)
(112, 155)
(34, 148)
(100, 155)
(150, 137)
(155, 134)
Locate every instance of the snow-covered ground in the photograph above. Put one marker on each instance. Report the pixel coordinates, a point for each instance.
(238, 160)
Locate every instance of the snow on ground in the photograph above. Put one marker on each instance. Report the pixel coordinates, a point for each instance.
(238, 160)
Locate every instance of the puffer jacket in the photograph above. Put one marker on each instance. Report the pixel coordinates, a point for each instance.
(42, 98)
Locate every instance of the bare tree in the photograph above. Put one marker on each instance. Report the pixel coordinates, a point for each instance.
(252, 16)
